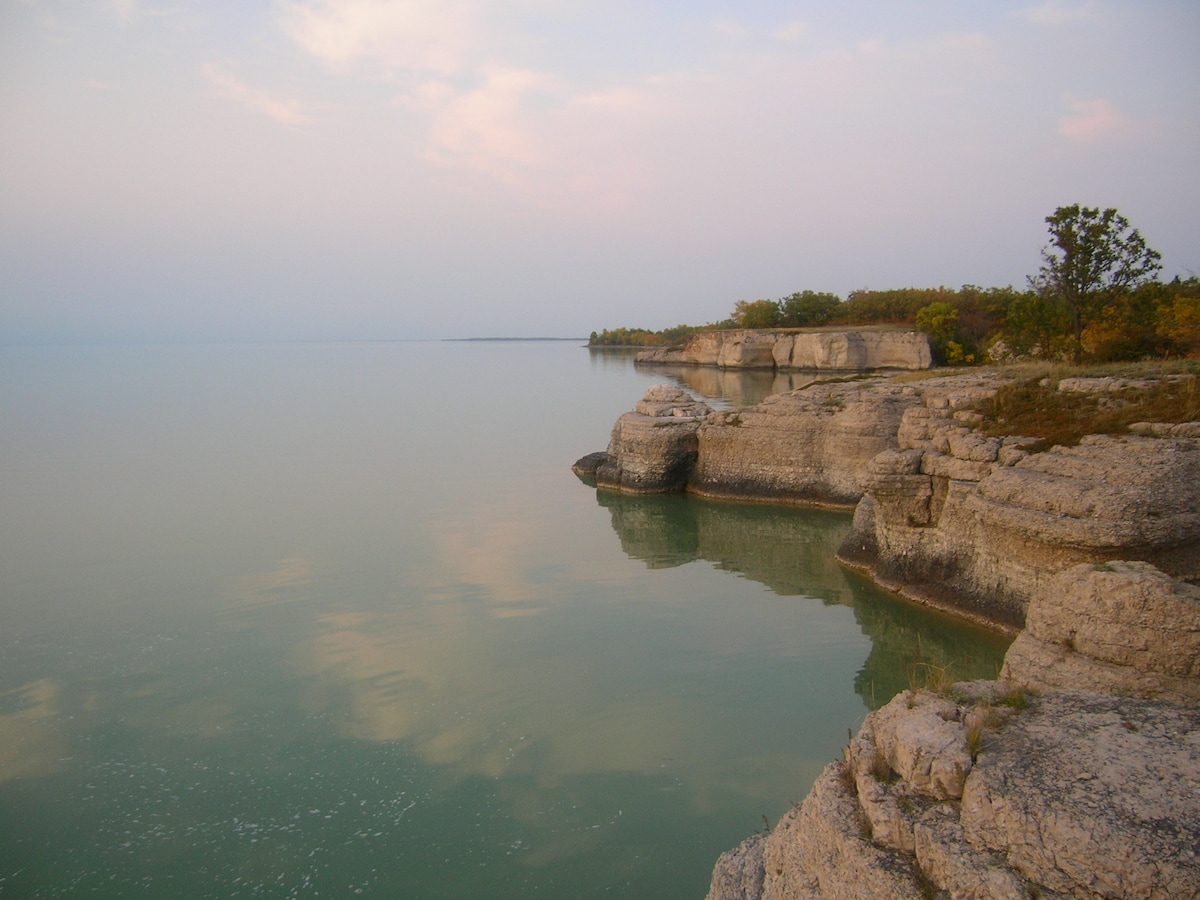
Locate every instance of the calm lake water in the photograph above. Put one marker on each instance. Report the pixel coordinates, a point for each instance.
(330, 619)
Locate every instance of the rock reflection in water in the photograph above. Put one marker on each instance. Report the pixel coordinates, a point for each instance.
(791, 551)
(736, 388)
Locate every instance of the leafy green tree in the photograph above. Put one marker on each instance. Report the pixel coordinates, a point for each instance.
(1093, 260)
(940, 321)
(1179, 316)
(756, 314)
(1036, 325)
(808, 309)
(897, 306)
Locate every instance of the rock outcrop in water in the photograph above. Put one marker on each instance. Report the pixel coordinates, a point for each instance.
(819, 350)
(1077, 774)
(653, 449)
(996, 790)
(946, 515)
(809, 446)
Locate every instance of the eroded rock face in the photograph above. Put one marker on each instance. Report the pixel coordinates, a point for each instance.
(1071, 794)
(858, 350)
(818, 850)
(840, 350)
(1120, 627)
(810, 445)
(972, 523)
(653, 449)
(979, 524)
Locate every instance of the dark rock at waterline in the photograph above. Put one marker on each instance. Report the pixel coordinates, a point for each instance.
(585, 467)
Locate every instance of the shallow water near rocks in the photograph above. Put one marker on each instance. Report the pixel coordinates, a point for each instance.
(330, 619)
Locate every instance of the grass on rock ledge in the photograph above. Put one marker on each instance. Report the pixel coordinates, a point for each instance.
(1034, 406)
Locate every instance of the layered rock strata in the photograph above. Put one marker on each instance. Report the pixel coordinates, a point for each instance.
(998, 790)
(811, 445)
(819, 350)
(944, 514)
(978, 524)
(653, 449)
(1122, 627)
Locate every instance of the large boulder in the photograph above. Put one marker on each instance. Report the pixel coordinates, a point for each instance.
(653, 448)
(1122, 627)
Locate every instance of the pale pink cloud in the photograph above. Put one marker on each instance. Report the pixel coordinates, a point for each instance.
(1090, 120)
(416, 35)
(230, 86)
(490, 129)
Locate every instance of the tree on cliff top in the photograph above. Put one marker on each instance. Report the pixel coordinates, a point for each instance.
(1093, 260)
(756, 314)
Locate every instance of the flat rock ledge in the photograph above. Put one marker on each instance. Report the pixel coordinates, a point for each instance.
(992, 794)
(1027, 787)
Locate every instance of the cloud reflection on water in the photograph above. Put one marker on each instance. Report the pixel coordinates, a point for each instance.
(499, 669)
(31, 743)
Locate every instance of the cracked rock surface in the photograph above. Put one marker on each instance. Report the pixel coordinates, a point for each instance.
(1071, 794)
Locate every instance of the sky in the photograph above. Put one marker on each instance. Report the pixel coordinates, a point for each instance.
(424, 169)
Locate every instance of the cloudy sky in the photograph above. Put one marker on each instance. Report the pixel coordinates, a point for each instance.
(340, 169)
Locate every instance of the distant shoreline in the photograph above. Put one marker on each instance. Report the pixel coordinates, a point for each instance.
(496, 339)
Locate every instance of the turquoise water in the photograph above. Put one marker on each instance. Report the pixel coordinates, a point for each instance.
(321, 620)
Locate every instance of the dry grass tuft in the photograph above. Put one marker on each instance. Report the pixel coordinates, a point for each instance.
(1033, 406)
(926, 675)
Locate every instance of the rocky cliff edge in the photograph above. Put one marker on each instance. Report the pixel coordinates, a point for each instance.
(1026, 787)
(815, 350)
(946, 515)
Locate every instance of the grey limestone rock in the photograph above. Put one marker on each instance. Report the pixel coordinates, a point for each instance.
(810, 445)
(983, 524)
(819, 350)
(653, 449)
(738, 874)
(1076, 794)
(1091, 795)
(1121, 626)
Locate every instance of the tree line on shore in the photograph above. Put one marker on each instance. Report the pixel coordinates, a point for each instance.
(1095, 297)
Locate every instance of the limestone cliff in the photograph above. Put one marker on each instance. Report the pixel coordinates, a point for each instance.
(946, 515)
(978, 525)
(992, 794)
(1001, 790)
(1077, 774)
(857, 350)
(811, 445)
